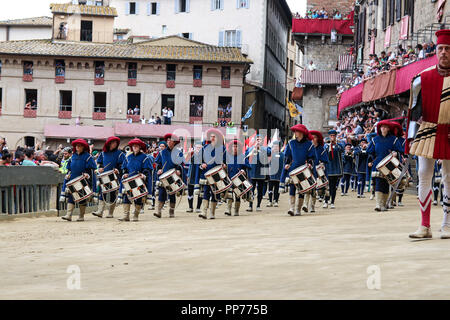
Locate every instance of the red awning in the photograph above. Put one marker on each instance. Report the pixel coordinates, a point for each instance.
(408, 72)
(351, 97)
(75, 132)
(321, 26)
(380, 86)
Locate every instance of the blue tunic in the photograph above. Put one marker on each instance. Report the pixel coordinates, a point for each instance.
(334, 166)
(236, 163)
(111, 160)
(347, 163)
(193, 169)
(208, 155)
(361, 157)
(380, 147)
(259, 163)
(138, 163)
(165, 162)
(297, 153)
(276, 166)
(79, 164)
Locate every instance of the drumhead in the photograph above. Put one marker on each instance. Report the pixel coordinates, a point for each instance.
(298, 169)
(75, 180)
(213, 170)
(105, 173)
(136, 176)
(385, 160)
(167, 174)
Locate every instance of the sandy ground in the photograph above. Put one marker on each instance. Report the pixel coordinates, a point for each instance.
(259, 255)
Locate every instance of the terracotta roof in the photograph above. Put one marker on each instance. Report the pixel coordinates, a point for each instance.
(35, 21)
(324, 77)
(138, 51)
(69, 8)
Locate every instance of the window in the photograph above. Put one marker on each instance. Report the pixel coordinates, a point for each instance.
(226, 71)
(28, 68)
(230, 38)
(164, 29)
(99, 3)
(132, 70)
(391, 12)
(196, 108)
(31, 99)
(243, 4)
(134, 103)
(168, 101)
(291, 68)
(216, 4)
(60, 68)
(86, 31)
(132, 8)
(182, 6)
(153, 8)
(65, 100)
(224, 110)
(171, 72)
(198, 72)
(99, 102)
(99, 69)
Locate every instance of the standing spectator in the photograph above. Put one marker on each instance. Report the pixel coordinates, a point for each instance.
(6, 159)
(130, 111)
(311, 66)
(169, 116)
(29, 158)
(337, 15)
(143, 120)
(420, 52)
(136, 110)
(164, 114)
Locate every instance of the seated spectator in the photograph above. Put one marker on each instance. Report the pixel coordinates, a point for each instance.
(152, 120)
(431, 50)
(158, 120)
(136, 110)
(420, 52)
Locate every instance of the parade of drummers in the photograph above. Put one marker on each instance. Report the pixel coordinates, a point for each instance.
(160, 159)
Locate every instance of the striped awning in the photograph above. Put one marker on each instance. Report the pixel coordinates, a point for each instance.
(324, 77)
(345, 62)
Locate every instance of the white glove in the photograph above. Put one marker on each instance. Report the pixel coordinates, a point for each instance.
(282, 189)
(119, 199)
(62, 197)
(196, 192)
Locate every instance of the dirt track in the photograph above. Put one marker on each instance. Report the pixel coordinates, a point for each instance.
(259, 255)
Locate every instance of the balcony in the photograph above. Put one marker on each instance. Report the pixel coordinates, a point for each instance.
(65, 114)
(322, 26)
(99, 80)
(197, 83)
(170, 84)
(134, 117)
(29, 113)
(225, 83)
(99, 116)
(132, 82)
(27, 77)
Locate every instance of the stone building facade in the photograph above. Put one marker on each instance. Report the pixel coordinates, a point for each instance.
(26, 29)
(58, 90)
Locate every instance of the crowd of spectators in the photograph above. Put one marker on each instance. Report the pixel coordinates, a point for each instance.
(320, 14)
(387, 61)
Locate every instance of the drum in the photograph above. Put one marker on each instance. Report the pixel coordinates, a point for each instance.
(241, 184)
(79, 188)
(322, 180)
(108, 181)
(171, 181)
(303, 178)
(390, 168)
(218, 179)
(135, 187)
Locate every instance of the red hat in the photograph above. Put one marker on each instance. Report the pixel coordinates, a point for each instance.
(398, 129)
(216, 132)
(139, 142)
(300, 128)
(172, 137)
(238, 143)
(443, 36)
(318, 134)
(82, 142)
(109, 141)
(389, 123)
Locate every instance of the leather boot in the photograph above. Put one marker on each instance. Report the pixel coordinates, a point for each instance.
(313, 204)
(421, 233)
(213, 210)
(101, 208)
(137, 210)
(204, 214)
(70, 208)
(229, 206)
(126, 212)
(159, 207)
(378, 200)
(111, 211)
(298, 209)
(172, 210)
(306, 202)
(291, 205)
(82, 212)
(237, 205)
(384, 201)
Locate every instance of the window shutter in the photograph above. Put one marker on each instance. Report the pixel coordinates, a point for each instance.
(190, 36)
(212, 5)
(237, 4)
(127, 8)
(137, 8)
(384, 17)
(391, 12)
(221, 5)
(188, 5)
(176, 6)
(221, 35)
(149, 8)
(157, 8)
(398, 10)
(238, 38)
(247, 5)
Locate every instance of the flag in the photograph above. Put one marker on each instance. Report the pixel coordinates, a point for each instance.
(275, 137)
(299, 109)
(284, 145)
(250, 141)
(292, 109)
(249, 112)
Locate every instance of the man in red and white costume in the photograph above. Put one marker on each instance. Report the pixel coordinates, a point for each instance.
(429, 132)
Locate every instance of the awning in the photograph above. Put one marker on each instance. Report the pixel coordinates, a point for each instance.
(321, 77)
(351, 97)
(75, 132)
(408, 72)
(380, 86)
(322, 26)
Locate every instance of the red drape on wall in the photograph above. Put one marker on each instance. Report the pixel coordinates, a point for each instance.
(407, 73)
(321, 26)
(351, 97)
(382, 85)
